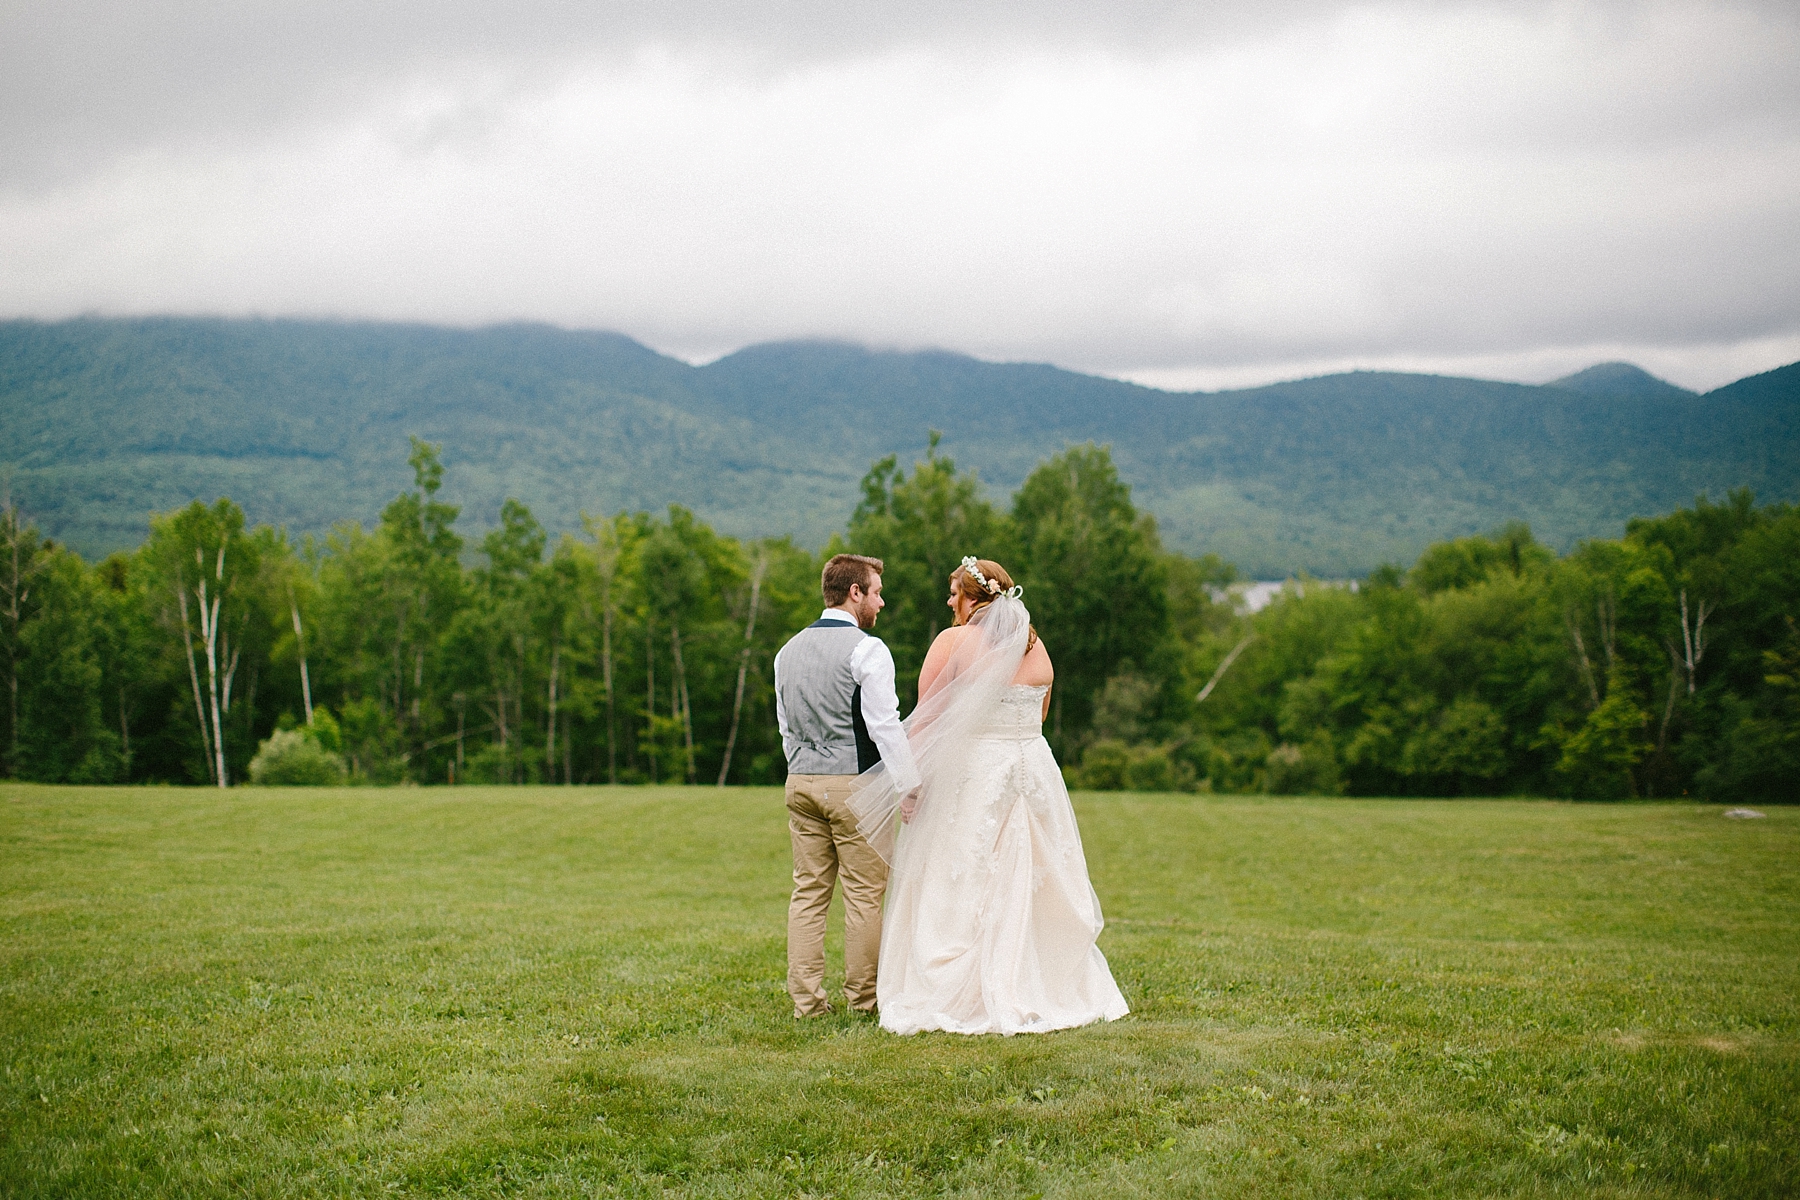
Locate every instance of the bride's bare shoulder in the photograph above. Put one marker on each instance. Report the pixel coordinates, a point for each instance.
(952, 636)
(946, 643)
(937, 659)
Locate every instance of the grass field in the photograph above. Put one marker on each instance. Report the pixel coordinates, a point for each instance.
(547, 992)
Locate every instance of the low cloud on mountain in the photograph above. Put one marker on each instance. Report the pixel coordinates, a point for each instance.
(1185, 195)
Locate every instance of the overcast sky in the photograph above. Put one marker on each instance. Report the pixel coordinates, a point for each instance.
(1187, 195)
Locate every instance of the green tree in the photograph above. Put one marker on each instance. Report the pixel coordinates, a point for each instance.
(921, 526)
(125, 640)
(1616, 618)
(1464, 562)
(21, 548)
(498, 629)
(63, 733)
(600, 599)
(1740, 743)
(384, 600)
(1096, 582)
(423, 588)
(208, 576)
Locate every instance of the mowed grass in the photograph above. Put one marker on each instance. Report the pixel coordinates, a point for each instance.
(553, 992)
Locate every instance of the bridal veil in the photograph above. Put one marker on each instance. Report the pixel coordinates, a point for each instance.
(990, 921)
(943, 727)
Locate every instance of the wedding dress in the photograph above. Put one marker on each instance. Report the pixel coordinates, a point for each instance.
(990, 920)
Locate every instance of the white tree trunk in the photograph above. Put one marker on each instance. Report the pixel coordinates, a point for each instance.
(1662, 731)
(300, 644)
(22, 565)
(1581, 658)
(1606, 608)
(124, 735)
(500, 722)
(1693, 641)
(209, 637)
(1219, 672)
(737, 704)
(550, 733)
(187, 639)
(606, 680)
(682, 708)
(650, 695)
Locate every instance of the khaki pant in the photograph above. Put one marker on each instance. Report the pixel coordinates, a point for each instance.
(827, 847)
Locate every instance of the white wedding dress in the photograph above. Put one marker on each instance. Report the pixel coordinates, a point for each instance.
(991, 919)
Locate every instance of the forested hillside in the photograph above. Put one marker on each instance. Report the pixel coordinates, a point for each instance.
(1661, 663)
(104, 421)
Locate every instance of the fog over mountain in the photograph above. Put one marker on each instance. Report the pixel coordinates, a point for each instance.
(306, 424)
(1186, 195)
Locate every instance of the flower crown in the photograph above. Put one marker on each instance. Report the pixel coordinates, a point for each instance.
(990, 586)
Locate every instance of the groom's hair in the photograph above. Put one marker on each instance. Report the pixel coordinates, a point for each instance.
(844, 572)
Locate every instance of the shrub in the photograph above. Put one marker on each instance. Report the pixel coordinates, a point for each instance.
(1104, 764)
(1309, 770)
(324, 731)
(1150, 771)
(1463, 750)
(290, 758)
(1597, 758)
(1109, 765)
(1233, 763)
(1758, 759)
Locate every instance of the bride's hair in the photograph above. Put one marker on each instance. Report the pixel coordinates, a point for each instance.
(999, 580)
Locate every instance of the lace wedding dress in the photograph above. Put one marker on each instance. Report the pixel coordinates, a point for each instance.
(991, 919)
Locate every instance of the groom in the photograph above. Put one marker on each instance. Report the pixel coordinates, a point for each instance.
(839, 716)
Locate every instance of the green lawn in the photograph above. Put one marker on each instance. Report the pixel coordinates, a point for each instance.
(548, 992)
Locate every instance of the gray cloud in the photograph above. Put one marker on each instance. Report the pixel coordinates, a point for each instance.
(87, 79)
(1172, 192)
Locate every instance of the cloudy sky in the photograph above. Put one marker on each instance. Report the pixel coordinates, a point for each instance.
(1189, 195)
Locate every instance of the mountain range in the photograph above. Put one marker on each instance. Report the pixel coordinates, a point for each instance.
(305, 423)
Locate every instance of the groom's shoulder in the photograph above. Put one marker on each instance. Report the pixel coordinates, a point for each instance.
(827, 629)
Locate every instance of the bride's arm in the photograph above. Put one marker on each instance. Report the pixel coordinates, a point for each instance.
(1049, 670)
(935, 658)
(933, 675)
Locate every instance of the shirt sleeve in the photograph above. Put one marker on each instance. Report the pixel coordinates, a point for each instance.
(872, 667)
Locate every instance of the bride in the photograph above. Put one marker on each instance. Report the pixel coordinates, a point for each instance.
(990, 920)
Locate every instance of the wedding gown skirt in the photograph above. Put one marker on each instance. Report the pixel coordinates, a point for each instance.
(991, 919)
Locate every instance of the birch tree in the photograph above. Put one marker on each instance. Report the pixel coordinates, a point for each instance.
(126, 651)
(556, 590)
(608, 537)
(300, 652)
(514, 551)
(743, 672)
(423, 587)
(208, 570)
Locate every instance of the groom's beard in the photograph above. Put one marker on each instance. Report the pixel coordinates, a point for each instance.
(866, 614)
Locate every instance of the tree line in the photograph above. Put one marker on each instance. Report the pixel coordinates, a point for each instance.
(1662, 663)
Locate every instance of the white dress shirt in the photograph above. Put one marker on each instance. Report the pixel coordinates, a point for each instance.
(872, 667)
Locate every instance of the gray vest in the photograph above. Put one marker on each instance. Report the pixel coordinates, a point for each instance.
(823, 705)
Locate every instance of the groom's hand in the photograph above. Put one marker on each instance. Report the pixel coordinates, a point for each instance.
(909, 803)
